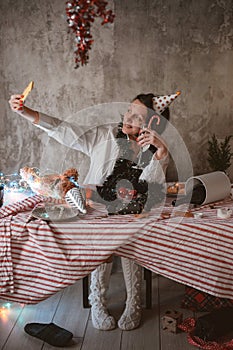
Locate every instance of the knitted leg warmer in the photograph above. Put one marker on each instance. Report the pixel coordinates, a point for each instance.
(98, 287)
(131, 316)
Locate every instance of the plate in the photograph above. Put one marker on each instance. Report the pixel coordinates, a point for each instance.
(175, 194)
(58, 212)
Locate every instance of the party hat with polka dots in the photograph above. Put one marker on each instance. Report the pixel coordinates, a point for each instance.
(160, 103)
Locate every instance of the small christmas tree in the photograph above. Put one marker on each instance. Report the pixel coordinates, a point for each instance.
(219, 153)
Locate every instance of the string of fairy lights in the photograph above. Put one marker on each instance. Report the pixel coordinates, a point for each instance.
(7, 310)
(13, 188)
(13, 182)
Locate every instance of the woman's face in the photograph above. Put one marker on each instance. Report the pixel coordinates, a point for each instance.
(134, 118)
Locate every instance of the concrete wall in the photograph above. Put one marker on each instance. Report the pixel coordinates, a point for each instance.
(158, 46)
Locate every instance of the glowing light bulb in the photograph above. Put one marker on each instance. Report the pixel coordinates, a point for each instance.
(7, 305)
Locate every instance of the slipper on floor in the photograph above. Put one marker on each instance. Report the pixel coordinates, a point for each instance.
(50, 333)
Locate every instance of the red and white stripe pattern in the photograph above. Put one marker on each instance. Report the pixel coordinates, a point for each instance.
(196, 252)
(39, 258)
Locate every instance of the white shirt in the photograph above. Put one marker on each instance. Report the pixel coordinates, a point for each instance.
(99, 143)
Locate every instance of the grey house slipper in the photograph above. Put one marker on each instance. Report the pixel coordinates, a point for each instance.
(50, 333)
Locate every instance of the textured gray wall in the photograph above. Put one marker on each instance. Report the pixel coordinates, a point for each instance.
(153, 46)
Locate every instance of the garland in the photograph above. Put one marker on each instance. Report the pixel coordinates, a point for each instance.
(80, 16)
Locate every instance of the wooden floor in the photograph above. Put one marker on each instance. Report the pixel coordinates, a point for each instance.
(65, 309)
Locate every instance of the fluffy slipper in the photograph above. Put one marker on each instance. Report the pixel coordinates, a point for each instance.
(50, 333)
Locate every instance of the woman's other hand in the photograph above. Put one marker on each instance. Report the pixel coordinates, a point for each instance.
(151, 137)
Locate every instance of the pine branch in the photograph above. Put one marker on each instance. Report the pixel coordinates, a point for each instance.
(219, 154)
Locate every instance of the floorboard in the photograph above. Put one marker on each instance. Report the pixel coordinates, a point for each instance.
(66, 310)
(9, 313)
(146, 337)
(42, 312)
(170, 296)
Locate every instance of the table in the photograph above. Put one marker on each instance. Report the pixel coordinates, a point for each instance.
(39, 258)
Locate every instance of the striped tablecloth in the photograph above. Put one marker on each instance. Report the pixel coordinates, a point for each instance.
(39, 258)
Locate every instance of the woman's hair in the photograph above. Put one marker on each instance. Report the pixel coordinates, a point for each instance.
(147, 100)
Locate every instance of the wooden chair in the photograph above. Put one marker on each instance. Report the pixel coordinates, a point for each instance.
(147, 278)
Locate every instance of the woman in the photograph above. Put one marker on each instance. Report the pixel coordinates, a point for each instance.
(106, 146)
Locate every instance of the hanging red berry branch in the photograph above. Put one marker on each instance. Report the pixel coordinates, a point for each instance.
(80, 14)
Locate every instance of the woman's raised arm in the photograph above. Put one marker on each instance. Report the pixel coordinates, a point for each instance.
(17, 105)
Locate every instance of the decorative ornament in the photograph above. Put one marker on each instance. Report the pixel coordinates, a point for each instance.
(80, 15)
(75, 199)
